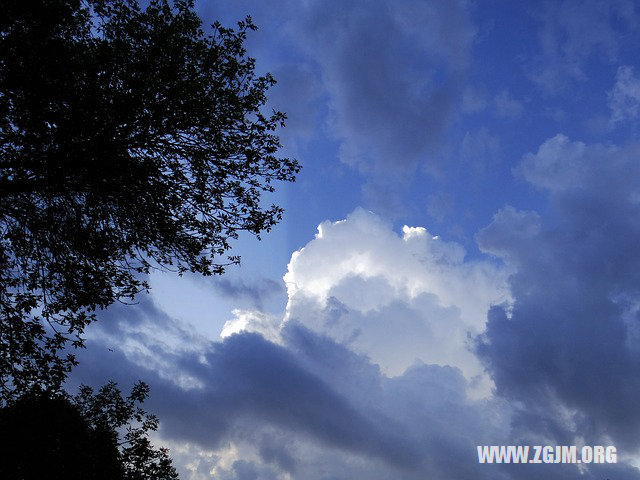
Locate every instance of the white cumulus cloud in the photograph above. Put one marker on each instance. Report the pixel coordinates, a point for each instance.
(399, 299)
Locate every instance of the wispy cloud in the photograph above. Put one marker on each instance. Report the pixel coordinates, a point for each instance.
(571, 33)
(624, 98)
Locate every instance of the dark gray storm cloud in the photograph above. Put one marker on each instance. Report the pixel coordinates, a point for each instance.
(249, 376)
(393, 73)
(570, 341)
(251, 379)
(382, 78)
(311, 407)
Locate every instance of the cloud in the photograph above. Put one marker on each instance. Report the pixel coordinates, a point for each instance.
(252, 321)
(382, 79)
(331, 405)
(624, 99)
(506, 106)
(369, 376)
(256, 292)
(440, 205)
(509, 227)
(473, 101)
(311, 408)
(557, 165)
(480, 149)
(568, 340)
(397, 299)
(393, 73)
(572, 33)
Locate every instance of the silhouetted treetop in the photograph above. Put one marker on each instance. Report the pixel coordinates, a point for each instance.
(129, 139)
(89, 436)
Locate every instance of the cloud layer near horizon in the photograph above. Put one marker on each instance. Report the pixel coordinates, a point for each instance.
(285, 408)
(369, 371)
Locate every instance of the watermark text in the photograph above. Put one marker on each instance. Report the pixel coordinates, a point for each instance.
(547, 454)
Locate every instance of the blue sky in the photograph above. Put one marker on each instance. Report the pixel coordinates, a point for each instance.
(457, 264)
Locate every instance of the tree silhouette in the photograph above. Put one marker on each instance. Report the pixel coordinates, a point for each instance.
(129, 140)
(86, 437)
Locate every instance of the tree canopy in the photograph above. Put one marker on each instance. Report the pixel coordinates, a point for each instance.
(130, 139)
(89, 436)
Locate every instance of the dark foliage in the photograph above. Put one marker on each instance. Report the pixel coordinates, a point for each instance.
(86, 437)
(129, 140)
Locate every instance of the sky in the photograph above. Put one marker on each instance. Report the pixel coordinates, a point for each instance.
(458, 262)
